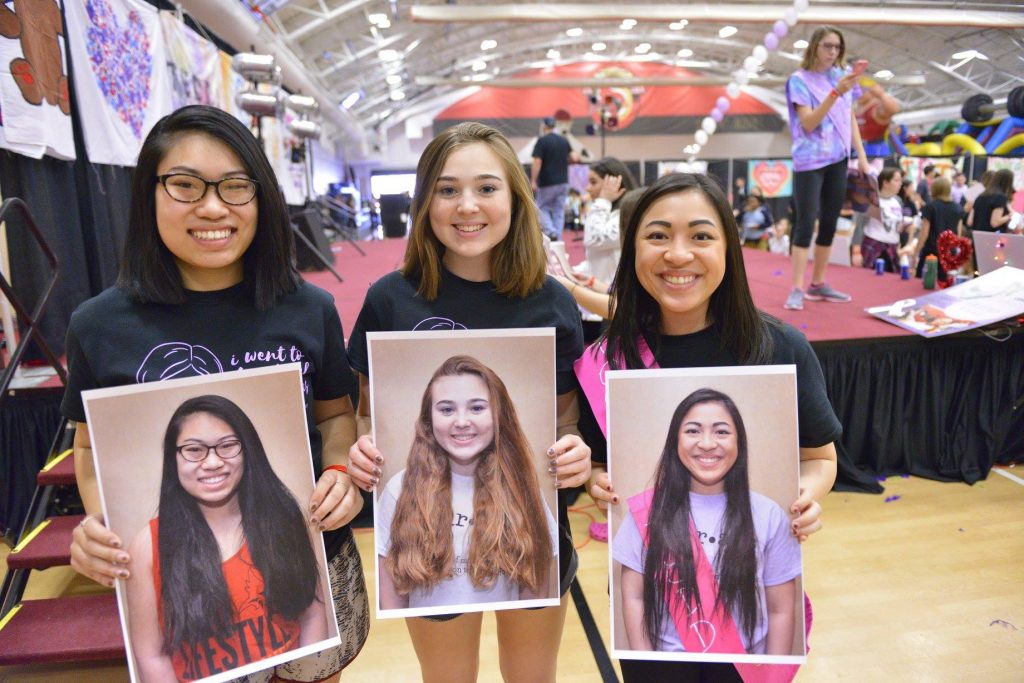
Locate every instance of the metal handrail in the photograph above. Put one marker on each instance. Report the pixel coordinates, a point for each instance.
(30, 320)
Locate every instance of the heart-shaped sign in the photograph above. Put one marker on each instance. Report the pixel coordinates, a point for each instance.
(121, 60)
(771, 177)
(954, 251)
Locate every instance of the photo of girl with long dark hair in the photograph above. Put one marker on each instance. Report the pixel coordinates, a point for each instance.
(707, 564)
(225, 574)
(464, 523)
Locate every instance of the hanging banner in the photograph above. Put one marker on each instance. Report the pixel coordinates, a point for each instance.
(193, 63)
(34, 81)
(121, 78)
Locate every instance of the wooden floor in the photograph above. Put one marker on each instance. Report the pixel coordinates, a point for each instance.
(923, 583)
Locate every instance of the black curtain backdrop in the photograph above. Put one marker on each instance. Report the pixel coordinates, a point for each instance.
(28, 424)
(945, 409)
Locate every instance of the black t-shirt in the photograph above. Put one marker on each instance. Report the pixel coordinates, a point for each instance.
(553, 151)
(392, 305)
(818, 424)
(983, 207)
(941, 215)
(114, 341)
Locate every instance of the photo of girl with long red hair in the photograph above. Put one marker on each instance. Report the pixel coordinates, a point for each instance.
(464, 523)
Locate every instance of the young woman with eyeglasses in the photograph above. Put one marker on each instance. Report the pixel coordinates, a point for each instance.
(206, 285)
(820, 95)
(225, 575)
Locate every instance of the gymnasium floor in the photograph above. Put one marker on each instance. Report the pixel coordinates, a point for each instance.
(922, 583)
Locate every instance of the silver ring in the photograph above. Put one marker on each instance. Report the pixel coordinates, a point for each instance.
(85, 520)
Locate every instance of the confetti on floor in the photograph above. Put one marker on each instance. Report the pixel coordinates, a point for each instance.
(1004, 624)
(890, 499)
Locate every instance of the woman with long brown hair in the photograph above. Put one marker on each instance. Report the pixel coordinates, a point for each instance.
(469, 460)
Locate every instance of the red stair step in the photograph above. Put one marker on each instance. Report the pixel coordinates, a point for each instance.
(50, 547)
(59, 472)
(62, 630)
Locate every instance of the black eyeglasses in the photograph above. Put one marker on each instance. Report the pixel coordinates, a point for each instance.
(189, 189)
(197, 452)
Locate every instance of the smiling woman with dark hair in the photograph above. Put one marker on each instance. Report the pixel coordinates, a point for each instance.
(708, 544)
(227, 569)
(207, 284)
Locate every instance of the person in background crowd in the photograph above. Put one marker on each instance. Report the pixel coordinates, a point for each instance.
(549, 177)
(928, 174)
(991, 211)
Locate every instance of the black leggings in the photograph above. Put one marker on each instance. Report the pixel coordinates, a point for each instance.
(818, 194)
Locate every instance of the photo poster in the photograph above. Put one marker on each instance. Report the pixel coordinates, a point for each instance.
(773, 176)
(401, 367)
(641, 404)
(127, 427)
(981, 301)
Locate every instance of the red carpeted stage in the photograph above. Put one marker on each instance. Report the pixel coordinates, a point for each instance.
(768, 275)
(939, 408)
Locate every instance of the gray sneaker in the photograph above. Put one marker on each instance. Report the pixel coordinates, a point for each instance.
(824, 292)
(795, 300)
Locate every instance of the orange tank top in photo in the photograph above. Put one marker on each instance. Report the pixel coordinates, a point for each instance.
(253, 637)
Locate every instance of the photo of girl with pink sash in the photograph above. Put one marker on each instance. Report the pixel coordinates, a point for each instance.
(706, 568)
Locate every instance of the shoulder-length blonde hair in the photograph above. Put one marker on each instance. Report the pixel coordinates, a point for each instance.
(811, 53)
(509, 534)
(517, 262)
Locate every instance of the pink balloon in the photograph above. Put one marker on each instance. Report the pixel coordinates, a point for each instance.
(771, 41)
(722, 104)
(717, 115)
(780, 28)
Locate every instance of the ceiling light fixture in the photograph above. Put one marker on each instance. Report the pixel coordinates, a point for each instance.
(351, 99)
(678, 25)
(397, 95)
(642, 48)
(597, 47)
(574, 32)
(800, 45)
(684, 53)
(488, 44)
(479, 65)
(388, 55)
(554, 54)
(884, 74)
(393, 79)
(727, 31)
(967, 55)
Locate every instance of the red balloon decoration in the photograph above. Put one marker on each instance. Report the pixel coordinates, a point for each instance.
(954, 251)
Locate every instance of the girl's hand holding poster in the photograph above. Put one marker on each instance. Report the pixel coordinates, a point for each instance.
(705, 565)
(205, 475)
(465, 509)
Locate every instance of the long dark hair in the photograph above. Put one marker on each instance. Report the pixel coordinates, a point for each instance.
(744, 329)
(612, 166)
(669, 563)
(149, 272)
(195, 600)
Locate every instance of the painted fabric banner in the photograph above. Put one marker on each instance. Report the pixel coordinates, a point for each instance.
(121, 78)
(34, 81)
(193, 63)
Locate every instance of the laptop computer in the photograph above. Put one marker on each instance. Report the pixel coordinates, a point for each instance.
(994, 250)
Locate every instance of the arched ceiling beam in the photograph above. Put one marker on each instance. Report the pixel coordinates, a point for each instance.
(706, 12)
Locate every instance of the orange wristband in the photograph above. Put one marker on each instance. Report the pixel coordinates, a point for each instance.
(835, 93)
(340, 468)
